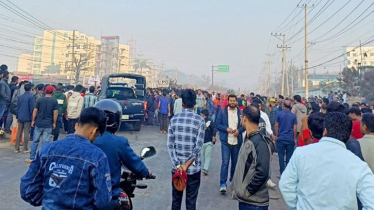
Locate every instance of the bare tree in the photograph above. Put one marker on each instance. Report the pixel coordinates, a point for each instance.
(81, 62)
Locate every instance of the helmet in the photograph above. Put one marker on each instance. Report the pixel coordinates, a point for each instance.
(113, 112)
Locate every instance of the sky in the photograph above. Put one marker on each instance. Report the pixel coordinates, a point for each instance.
(191, 36)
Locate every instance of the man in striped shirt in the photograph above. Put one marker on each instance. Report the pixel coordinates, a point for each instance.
(185, 140)
(90, 98)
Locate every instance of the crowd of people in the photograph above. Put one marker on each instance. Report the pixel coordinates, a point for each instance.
(324, 145)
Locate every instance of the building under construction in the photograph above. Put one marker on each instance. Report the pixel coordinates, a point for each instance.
(108, 56)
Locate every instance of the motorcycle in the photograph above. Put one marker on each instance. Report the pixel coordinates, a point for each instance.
(128, 181)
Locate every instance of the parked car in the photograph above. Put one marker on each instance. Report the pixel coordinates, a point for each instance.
(131, 96)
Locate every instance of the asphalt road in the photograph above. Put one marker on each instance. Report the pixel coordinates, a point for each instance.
(158, 194)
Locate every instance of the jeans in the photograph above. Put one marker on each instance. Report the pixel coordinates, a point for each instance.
(45, 133)
(56, 131)
(244, 206)
(192, 190)
(157, 117)
(2, 110)
(199, 109)
(66, 124)
(72, 123)
(213, 117)
(9, 121)
(163, 122)
(227, 152)
(282, 147)
(206, 154)
(25, 128)
(150, 117)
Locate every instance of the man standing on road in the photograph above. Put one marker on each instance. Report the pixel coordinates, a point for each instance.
(4, 92)
(150, 108)
(62, 105)
(75, 106)
(285, 132)
(90, 98)
(252, 169)
(367, 142)
(164, 110)
(228, 123)
(155, 104)
(326, 175)
(200, 101)
(25, 107)
(178, 108)
(44, 119)
(185, 140)
(71, 173)
(299, 110)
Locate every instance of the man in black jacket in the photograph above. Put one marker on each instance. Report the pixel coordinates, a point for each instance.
(4, 92)
(252, 168)
(150, 108)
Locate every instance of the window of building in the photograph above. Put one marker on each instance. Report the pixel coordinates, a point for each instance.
(36, 59)
(38, 54)
(37, 66)
(354, 54)
(78, 47)
(348, 54)
(68, 46)
(349, 62)
(82, 36)
(39, 41)
(38, 47)
(371, 54)
(66, 35)
(85, 47)
(67, 55)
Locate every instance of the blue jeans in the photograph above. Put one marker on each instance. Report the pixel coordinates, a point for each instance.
(244, 206)
(45, 133)
(2, 111)
(285, 147)
(227, 152)
(199, 109)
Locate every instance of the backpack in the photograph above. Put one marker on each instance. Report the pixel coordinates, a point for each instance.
(14, 102)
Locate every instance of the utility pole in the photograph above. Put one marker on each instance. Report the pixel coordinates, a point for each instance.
(284, 50)
(292, 77)
(212, 75)
(269, 62)
(73, 59)
(305, 7)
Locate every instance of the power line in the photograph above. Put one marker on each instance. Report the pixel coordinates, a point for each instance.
(287, 17)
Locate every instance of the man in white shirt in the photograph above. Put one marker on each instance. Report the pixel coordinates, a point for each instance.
(177, 104)
(326, 175)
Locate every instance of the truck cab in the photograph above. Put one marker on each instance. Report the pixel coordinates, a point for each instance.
(129, 90)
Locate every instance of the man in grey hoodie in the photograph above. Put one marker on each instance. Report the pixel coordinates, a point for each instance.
(75, 106)
(4, 92)
(299, 110)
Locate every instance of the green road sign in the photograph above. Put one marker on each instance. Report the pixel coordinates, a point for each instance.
(223, 68)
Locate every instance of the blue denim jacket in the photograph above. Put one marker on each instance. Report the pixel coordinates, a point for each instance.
(70, 173)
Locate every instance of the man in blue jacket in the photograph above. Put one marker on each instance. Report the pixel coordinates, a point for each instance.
(25, 107)
(228, 123)
(71, 173)
(117, 148)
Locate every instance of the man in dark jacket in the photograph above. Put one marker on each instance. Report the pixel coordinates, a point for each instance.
(252, 169)
(25, 107)
(13, 87)
(62, 105)
(150, 108)
(228, 123)
(4, 92)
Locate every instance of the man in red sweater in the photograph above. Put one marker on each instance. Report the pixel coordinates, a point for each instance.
(355, 114)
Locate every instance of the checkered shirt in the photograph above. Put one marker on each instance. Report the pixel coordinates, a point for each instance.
(185, 139)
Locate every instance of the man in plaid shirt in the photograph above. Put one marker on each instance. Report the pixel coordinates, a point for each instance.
(185, 140)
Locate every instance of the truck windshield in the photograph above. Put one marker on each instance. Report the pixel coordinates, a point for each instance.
(120, 93)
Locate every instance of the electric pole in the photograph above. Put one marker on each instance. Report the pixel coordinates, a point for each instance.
(212, 75)
(284, 51)
(269, 62)
(73, 59)
(292, 77)
(305, 7)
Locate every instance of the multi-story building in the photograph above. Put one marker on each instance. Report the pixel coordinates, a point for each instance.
(357, 56)
(67, 52)
(24, 63)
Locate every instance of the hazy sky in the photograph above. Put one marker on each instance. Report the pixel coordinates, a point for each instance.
(193, 35)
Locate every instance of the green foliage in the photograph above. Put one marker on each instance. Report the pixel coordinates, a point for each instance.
(348, 81)
(367, 86)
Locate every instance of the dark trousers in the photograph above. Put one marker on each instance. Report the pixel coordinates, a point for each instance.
(163, 122)
(25, 128)
(192, 190)
(150, 117)
(228, 151)
(9, 121)
(285, 147)
(66, 124)
(244, 206)
(56, 131)
(72, 123)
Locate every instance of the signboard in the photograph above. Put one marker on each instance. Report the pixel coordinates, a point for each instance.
(163, 82)
(223, 68)
(22, 77)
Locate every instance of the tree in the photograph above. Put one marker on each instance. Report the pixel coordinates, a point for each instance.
(141, 64)
(348, 81)
(81, 62)
(206, 79)
(230, 91)
(367, 86)
(327, 86)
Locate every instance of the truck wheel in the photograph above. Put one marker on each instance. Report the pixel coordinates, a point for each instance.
(136, 126)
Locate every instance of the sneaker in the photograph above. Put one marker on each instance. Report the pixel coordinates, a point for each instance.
(16, 152)
(26, 151)
(223, 188)
(271, 184)
(205, 172)
(28, 160)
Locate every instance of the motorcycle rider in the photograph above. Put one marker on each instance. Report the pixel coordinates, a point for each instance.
(117, 148)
